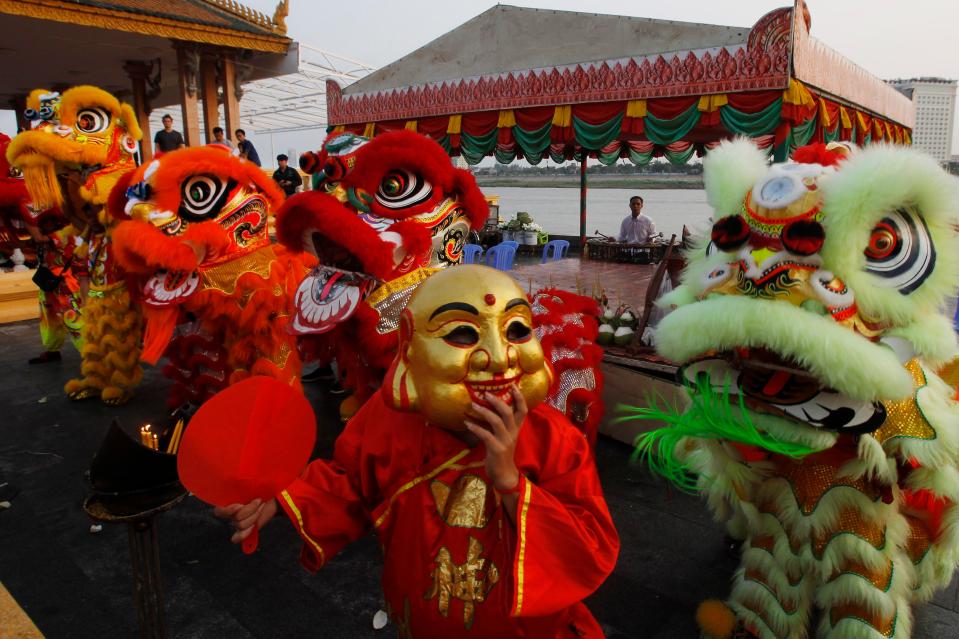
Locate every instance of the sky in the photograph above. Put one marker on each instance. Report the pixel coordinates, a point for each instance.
(889, 38)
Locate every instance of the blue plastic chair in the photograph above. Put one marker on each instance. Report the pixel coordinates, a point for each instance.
(560, 248)
(515, 245)
(472, 253)
(955, 321)
(501, 256)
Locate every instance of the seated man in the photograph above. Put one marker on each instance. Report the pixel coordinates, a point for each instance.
(636, 228)
(485, 499)
(286, 176)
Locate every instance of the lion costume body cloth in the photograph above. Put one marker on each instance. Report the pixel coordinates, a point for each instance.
(83, 144)
(216, 294)
(819, 430)
(13, 204)
(385, 214)
(59, 308)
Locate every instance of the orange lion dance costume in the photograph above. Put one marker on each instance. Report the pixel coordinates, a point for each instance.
(215, 292)
(72, 159)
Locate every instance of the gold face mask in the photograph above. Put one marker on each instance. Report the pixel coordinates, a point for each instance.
(466, 331)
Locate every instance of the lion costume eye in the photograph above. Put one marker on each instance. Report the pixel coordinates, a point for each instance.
(401, 189)
(93, 120)
(202, 196)
(900, 251)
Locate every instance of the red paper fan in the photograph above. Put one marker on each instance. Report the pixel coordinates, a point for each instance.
(249, 441)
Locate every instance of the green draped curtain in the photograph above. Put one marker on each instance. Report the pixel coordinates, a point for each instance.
(605, 130)
(663, 132)
(762, 122)
(679, 157)
(534, 143)
(596, 136)
(474, 148)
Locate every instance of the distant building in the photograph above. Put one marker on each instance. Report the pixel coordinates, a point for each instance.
(935, 100)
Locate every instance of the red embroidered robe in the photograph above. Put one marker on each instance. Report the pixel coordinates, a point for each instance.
(455, 565)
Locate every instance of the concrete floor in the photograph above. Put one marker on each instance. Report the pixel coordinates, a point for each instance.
(75, 584)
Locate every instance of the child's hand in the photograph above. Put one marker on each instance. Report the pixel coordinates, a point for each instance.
(245, 516)
(499, 430)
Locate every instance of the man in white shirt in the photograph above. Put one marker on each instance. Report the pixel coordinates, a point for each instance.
(636, 229)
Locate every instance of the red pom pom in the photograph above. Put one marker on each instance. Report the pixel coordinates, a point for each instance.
(818, 154)
(729, 233)
(804, 237)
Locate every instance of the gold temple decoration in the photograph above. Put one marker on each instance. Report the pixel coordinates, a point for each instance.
(469, 582)
(279, 15)
(271, 38)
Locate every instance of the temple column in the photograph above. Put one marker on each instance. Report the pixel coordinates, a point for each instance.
(211, 110)
(231, 103)
(138, 73)
(188, 68)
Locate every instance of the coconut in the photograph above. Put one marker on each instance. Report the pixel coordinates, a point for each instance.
(627, 319)
(623, 336)
(606, 334)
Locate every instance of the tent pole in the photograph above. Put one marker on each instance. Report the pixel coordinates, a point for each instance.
(582, 202)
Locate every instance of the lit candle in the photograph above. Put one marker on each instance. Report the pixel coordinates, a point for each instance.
(145, 435)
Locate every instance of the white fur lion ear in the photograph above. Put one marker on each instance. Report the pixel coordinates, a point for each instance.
(729, 172)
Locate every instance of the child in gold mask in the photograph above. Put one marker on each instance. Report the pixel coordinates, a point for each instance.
(486, 500)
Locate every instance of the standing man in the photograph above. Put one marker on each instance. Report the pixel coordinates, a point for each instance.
(246, 148)
(286, 176)
(168, 140)
(219, 139)
(636, 229)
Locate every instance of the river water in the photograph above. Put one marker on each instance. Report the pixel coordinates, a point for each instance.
(557, 209)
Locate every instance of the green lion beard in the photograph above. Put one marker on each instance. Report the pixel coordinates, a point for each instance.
(711, 416)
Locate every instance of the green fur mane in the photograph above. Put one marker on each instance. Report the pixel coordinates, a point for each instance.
(711, 416)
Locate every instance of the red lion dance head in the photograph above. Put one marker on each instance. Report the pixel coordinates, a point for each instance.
(386, 214)
(194, 210)
(196, 235)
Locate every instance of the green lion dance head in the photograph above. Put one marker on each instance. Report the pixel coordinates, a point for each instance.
(814, 310)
